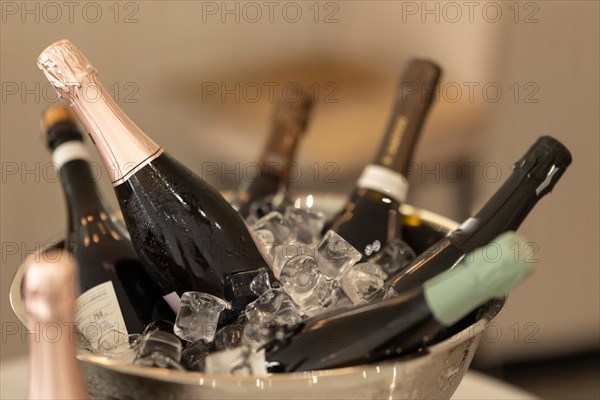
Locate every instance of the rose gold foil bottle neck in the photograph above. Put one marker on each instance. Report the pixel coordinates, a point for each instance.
(49, 289)
(65, 65)
(49, 293)
(123, 146)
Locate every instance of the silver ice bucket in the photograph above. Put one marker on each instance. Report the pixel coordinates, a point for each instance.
(432, 374)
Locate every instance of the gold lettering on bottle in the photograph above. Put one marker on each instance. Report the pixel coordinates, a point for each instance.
(395, 138)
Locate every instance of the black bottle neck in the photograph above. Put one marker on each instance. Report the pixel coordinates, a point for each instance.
(533, 177)
(81, 192)
(414, 96)
(290, 122)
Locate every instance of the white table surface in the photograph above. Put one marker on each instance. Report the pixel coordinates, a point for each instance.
(476, 386)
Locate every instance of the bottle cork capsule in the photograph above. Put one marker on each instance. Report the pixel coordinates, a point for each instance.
(55, 114)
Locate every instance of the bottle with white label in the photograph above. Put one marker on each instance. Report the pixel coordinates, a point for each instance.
(370, 218)
(533, 176)
(116, 291)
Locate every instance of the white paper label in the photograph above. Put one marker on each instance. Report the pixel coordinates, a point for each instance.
(173, 300)
(98, 311)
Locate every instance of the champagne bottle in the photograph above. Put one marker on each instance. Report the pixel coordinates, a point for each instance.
(371, 213)
(533, 176)
(186, 234)
(117, 293)
(49, 291)
(289, 124)
(405, 323)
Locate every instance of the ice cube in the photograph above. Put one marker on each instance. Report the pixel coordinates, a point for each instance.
(198, 316)
(362, 282)
(261, 282)
(310, 289)
(194, 355)
(280, 229)
(273, 307)
(307, 223)
(118, 345)
(335, 255)
(283, 253)
(238, 290)
(228, 337)
(395, 256)
(161, 325)
(239, 361)
(161, 342)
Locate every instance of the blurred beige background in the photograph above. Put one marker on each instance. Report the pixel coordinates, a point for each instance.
(510, 75)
